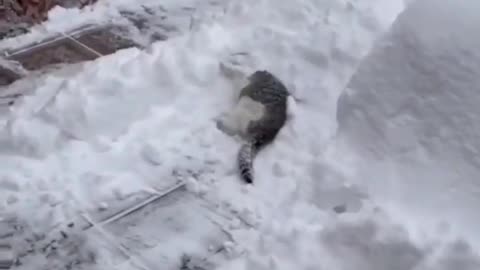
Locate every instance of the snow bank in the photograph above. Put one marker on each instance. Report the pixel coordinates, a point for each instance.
(411, 115)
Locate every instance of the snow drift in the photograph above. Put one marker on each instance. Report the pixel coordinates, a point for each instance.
(411, 114)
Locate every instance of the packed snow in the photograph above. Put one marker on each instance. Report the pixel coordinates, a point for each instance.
(418, 144)
(126, 123)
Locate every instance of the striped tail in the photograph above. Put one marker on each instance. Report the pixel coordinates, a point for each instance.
(245, 157)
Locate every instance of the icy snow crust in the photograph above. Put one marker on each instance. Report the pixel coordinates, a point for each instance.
(125, 122)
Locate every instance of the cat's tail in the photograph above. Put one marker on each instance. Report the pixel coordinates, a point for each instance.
(245, 158)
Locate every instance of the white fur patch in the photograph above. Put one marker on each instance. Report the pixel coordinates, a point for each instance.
(291, 107)
(246, 111)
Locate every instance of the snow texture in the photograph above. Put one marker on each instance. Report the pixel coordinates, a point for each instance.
(411, 113)
(127, 123)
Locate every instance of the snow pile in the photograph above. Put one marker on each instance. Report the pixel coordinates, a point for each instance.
(128, 122)
(413, 105)
(411, 115)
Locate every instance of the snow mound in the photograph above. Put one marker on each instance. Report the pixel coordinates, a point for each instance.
(411, 114)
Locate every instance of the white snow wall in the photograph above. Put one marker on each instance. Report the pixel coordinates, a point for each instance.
(412, 115)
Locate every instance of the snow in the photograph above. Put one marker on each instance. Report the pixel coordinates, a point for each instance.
(417, 146)
(128, 123)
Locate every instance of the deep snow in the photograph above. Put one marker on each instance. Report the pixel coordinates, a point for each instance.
(411, 114)
(121, 125)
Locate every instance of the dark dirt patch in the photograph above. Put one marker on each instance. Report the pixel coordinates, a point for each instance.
(17, 16)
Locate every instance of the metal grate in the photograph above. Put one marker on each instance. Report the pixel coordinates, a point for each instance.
(82, 44)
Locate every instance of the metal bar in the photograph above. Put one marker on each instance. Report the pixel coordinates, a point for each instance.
(138, 206)
(51, 41)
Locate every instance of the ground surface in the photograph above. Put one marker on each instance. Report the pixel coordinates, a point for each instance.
(117, 130)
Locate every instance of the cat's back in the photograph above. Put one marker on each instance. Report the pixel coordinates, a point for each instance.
(265, 88)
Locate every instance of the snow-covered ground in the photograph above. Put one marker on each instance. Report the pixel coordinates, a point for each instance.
(123, 123)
